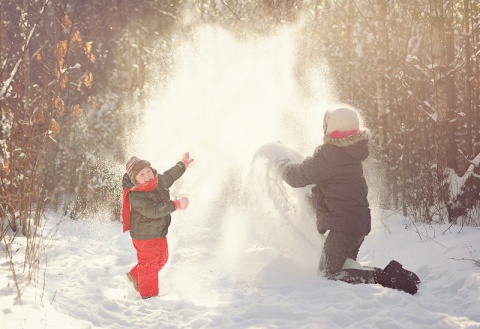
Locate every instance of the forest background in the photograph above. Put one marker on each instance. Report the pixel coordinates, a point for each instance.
(74, 76)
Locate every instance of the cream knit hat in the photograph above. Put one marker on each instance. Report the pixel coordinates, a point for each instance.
(342, 119)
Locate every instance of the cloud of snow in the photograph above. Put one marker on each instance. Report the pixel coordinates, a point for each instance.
(226, 99)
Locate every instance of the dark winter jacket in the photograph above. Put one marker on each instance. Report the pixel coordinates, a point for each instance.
(150, 211)
(340, 191)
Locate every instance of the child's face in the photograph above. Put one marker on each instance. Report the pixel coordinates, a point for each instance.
(144, 175)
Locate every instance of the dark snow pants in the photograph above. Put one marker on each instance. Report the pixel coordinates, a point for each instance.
(152, 255)
(337, 248)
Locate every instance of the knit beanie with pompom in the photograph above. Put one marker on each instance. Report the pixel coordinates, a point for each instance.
(134, 165)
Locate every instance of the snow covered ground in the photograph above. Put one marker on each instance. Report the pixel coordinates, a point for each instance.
(245, 252)
(214, 280)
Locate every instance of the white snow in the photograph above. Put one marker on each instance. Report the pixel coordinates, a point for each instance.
(236, 274)
(245, 252)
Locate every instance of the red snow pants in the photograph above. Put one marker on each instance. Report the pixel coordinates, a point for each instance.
(152, 255)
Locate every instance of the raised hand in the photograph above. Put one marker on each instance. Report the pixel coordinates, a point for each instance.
(186, 159)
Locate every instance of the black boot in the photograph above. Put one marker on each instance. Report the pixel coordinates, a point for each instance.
(395, 266)
(393, 279)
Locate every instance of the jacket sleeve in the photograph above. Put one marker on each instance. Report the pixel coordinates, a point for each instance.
(150, 208)
(312, 170)
(171, 175)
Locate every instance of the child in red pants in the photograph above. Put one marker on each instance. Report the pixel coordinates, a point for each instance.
(146, 214)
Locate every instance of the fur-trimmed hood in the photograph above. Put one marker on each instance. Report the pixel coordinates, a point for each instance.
(347, 141)
(355, 145)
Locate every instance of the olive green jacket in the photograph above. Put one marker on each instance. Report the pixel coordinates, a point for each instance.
(150, 211)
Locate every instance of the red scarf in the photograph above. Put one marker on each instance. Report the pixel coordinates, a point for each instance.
(145, 187)
(343, 134)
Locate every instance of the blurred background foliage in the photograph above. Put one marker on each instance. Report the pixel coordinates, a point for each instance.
(73, 77)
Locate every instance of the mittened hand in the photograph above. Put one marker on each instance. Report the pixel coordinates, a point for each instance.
(186, 159)
(181, 204)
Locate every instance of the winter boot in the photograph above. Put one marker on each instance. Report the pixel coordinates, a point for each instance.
(396, 266)
(393, 279)
(132, 279)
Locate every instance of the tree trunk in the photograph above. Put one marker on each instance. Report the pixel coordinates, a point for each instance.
(476, 91)
(349, 53)
(450, 94)
(439, 72)
(381, 95)
(468, 84)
